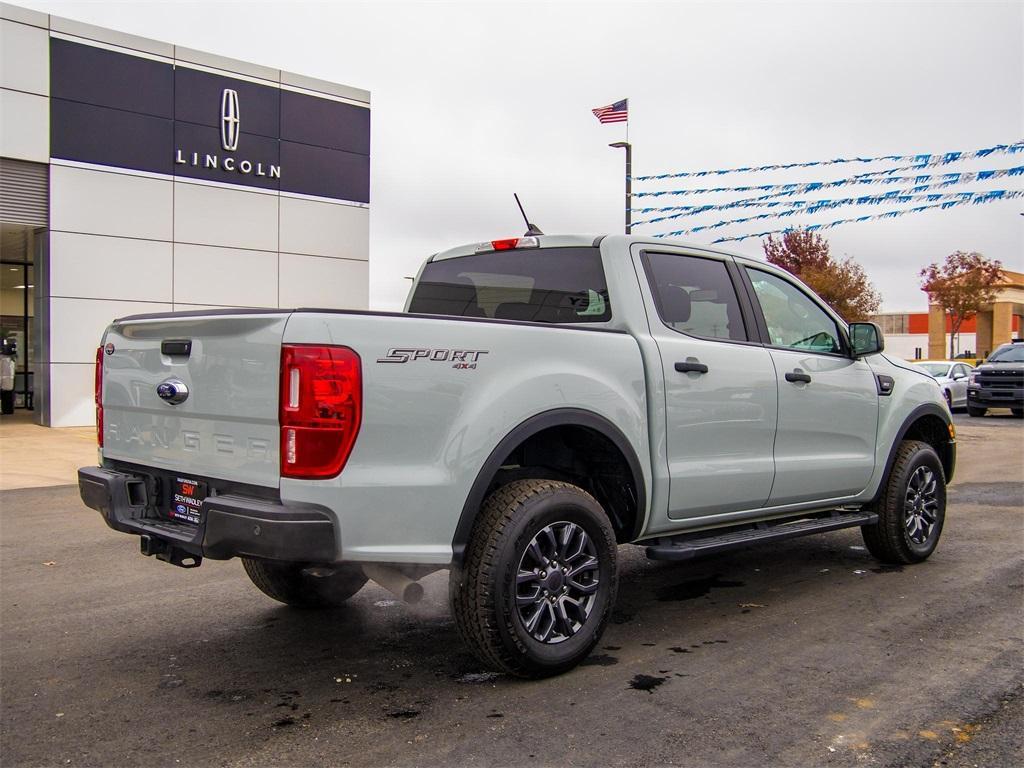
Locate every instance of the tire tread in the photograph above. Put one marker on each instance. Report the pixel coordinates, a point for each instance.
(885, 540)
(473, 605)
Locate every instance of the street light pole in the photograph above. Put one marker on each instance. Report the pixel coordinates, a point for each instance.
(629, 181)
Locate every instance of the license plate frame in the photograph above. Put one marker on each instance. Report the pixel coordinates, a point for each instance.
(187, 496)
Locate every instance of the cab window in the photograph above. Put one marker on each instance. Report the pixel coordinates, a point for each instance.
(695, 296)
(794, 320)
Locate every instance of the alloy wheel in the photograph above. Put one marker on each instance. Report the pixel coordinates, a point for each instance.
(557, 582)
(921, 504)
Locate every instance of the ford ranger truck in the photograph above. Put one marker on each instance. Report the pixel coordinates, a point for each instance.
(541, 401)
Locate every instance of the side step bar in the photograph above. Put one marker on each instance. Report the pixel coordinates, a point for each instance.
(721, 540)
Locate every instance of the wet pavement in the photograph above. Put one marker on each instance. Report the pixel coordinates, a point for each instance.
(806, 652)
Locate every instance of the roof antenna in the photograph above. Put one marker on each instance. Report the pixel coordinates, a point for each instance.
(532, 230)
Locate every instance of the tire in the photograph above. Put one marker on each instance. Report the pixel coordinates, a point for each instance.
(972, 411)
(1017, 412)
(949, 399)
(286, 583)
(545, 636)
(912, 508)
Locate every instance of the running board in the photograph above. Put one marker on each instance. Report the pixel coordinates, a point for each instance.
(721, 540)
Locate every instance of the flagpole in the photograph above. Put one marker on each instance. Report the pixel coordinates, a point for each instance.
(629, 179)
(610, 114)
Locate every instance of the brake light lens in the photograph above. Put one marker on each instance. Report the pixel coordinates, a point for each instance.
(98, 395)
(509, 244)
(321, 399)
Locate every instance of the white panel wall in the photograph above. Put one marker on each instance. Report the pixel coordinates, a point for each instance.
(105, 203)
(313, 281)
(98, 267)
(324, 229)
(224, 276)
(71, 396)
(220, 216)
(24, 126)
(24, 58)
(77, 325)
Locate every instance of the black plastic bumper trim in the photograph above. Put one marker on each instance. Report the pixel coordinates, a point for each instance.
(231, 525)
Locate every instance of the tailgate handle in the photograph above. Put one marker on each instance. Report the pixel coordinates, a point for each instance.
(176, 347)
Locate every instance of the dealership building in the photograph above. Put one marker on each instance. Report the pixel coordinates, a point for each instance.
(140, 176)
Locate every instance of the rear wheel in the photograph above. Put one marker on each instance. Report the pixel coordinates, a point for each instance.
(972, 411)
(539, 578)
(911, 509)
(292, 584)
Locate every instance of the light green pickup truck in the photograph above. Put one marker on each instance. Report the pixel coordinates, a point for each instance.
(540, 401)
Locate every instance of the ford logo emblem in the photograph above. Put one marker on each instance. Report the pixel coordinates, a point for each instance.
(172, 391)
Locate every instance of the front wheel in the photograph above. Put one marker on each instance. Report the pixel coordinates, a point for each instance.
(972, 411)
(911, 509)
(539, 578)
(1017, 412)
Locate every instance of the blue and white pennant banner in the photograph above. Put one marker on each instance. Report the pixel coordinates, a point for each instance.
(980, 199)
(821, 205)
(917, 161)
(771, 201)
(958, 177)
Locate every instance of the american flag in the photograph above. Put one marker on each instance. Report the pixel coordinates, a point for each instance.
(613, 113)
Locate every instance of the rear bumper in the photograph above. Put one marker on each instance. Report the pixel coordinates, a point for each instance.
(230, 525)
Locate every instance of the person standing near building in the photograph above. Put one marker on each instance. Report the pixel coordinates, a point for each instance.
(8, 353)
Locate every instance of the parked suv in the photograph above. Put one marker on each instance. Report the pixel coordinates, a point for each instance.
(999, 381)
(540, 401)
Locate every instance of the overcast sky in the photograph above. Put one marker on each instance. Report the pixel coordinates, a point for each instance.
(473, 101)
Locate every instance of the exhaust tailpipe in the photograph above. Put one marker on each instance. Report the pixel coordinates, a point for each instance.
(394, 581)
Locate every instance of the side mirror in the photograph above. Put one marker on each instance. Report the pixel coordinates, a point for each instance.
(866, 339)
(958, 377)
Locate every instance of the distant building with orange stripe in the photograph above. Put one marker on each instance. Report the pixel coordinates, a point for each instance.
(921, 335)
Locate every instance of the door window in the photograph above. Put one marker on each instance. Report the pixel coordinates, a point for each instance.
(794, 320)
(695, 296)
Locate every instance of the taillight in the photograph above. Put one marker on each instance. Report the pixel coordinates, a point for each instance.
(98, 391)
(321, 403)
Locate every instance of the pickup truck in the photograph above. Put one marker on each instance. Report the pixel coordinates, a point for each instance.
(998, 382)
(540, 401)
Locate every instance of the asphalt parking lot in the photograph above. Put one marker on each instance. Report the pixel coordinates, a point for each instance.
(806, 652)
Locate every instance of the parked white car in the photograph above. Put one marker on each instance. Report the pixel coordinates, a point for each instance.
(952, 376)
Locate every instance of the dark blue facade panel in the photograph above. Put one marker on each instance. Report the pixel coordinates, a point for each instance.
(93, 75)
(324, 123)
(257, 166)
(127, 111)
(92, 134)
(325, 172)
(197, 99)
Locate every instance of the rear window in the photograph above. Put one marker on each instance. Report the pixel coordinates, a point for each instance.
(546, 285)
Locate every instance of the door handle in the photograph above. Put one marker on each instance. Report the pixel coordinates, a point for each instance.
(691, 367)
(798, 375)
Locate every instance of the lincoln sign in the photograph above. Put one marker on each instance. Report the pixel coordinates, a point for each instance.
(113, 108)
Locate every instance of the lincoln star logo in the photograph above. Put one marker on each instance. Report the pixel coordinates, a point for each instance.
(230, 129)
(229, 120)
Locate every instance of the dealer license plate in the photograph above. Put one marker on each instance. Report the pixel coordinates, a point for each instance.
(187, 500)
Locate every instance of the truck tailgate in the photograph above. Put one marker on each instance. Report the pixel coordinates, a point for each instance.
(227, 427)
